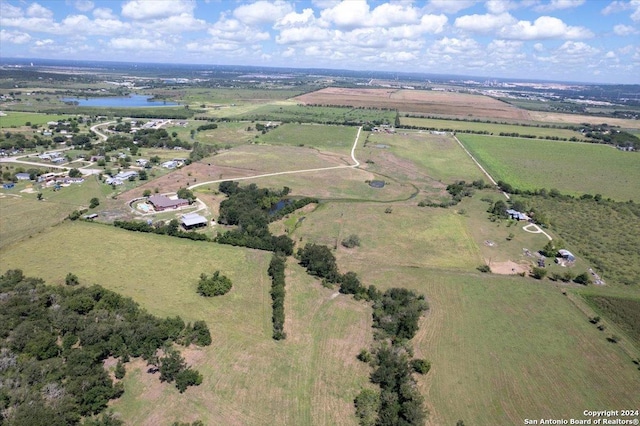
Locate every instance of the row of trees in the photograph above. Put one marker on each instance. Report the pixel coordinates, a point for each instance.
(276, 272)
(395, 319)
(54, 341)
(172, 228)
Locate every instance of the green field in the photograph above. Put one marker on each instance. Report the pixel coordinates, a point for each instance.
(248, 377)
(17, 119)
(459, 125)
(325, 138)
(573, 168)
(316, 114)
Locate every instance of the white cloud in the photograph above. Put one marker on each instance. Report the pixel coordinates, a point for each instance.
(619, 6)
(545, 27)
(290, 52)
(138, 44)
(303, 35)
(37, 11)
(8, 11)
(558, 4)
(624, 30)
(81, 24)
(103, 13)
(347, 14)
(153, 9)
(83, 5)
(14, 37)
(500, 6)
(262, 12)
(538, 47)
(455, 46)
(233, 30)
(45, 42)
(294, 19)
(449, 6)
(484, 23)
(392, 14)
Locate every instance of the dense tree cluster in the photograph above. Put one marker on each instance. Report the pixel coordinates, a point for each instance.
(248, 208)
(210, 126)
(276, 272)
(215, 285)
(54, 340)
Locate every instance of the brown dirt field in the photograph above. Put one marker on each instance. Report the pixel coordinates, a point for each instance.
(554, 117)
(508, 268)
(417, 101)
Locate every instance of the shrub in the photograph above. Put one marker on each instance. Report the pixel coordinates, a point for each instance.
(484, 268)
(583, 279)
(120, 370)
(71, 279)
(364, 356)
(538, 273)
(186, 378)
(420, 366)
(351, 241)
(216, 285)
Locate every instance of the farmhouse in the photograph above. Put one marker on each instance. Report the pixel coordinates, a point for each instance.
(141, 162)
(113, 181)
(193, 220)
(23, 176)
(170, 164)
(161, 202)
(126, 175)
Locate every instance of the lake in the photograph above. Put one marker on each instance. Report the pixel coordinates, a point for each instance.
(120, 102)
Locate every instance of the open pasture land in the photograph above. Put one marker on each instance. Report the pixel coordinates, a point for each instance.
(408, 236)
(420, 157)
(459, 125)
(316, 114)
(576, 119)
(504, 349)
(198, 96)
(417, 101)
(344, 184)
(18, 119)
(575, 168)
(249, 379)
(337, 139)
(227, 133)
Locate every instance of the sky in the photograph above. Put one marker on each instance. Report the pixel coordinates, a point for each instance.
(567, 40)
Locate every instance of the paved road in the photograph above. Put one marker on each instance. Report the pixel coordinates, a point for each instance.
(290, 172)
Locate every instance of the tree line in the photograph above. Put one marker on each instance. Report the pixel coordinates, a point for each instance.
(54, 342)
(395, 319)
(276, 272)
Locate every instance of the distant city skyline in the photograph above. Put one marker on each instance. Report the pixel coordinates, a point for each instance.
(561, 40)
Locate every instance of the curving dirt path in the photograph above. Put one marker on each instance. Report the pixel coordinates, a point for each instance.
(353, 157)
(536, 230)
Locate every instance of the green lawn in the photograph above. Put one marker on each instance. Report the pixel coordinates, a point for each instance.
(573, 168)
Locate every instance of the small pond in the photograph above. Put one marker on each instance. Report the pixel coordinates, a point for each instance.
(376, 184)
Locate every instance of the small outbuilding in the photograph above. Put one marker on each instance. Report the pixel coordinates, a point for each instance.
(567, 255)
(23, 176)
(193, 220)
(514, 214)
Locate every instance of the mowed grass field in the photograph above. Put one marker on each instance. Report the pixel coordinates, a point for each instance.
(249, 379)
(574, 168)
(337, 139)
(504, 349)
(17, 119)
(436, 157)
(457, 125)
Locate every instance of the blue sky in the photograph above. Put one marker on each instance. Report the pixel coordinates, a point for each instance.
(569, 40)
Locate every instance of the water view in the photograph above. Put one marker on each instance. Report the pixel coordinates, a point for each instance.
(120, 102)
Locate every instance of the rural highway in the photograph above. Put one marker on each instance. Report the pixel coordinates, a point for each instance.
(290, 172)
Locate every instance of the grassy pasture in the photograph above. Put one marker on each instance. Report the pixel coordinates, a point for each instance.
(17, 119)
(199, 96)
(325, 138)
(574, 168)
(317, 114)
(508, 348)
(248, 377)
(436, 238)
(457, 125)
(432, 156)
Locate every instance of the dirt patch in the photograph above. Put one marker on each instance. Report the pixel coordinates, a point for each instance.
(555, 117)
(417, 101)
(509, 268)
